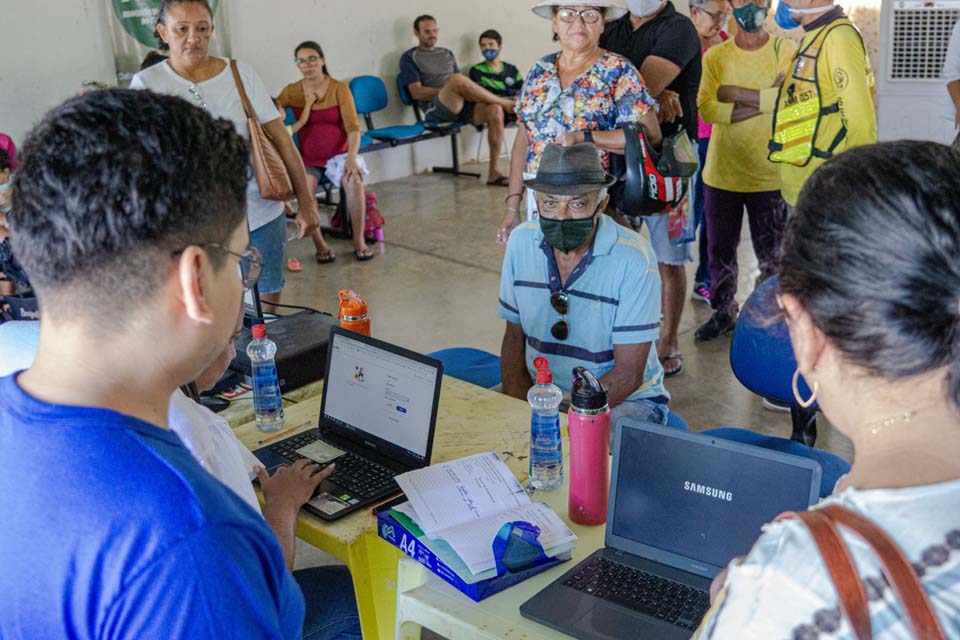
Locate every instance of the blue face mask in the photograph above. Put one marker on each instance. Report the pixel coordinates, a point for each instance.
(490, 54)
(785, 14)
(783, 18)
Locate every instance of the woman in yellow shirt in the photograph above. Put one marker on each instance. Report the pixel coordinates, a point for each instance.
(738, 92)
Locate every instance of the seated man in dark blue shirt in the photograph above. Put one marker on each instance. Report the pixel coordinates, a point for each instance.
(432, 76)
(129, 217)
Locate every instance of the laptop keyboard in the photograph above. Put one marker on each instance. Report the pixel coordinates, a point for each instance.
(360, 477)
(643, 592)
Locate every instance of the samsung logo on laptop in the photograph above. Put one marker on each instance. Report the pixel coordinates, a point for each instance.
(711, 492)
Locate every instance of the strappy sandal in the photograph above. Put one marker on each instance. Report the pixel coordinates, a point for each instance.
(673, 356)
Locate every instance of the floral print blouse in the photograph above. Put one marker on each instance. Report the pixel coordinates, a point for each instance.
(607, 94)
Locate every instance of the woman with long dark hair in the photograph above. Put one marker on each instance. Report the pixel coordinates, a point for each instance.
(870, 288)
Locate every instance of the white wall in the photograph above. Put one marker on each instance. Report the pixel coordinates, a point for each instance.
(51, 46)
(362, 37)
(48, 48)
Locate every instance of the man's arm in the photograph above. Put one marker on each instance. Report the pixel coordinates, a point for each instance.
(410, 78)
(629, 364)
(421, 93)
(846, 62)
(288, 489)
(513, 362)
(712, 109)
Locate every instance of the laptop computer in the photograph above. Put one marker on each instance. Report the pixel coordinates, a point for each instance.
(682, 505)
(377, 418)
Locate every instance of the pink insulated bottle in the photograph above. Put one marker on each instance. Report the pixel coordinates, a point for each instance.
(589, 418)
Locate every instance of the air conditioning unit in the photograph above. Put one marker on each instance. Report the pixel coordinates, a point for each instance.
(912, 100)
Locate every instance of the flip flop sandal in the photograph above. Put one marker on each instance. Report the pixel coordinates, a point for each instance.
(672, 356)
(362, 257)
(294, 265)
(502, 181)
(326, 258)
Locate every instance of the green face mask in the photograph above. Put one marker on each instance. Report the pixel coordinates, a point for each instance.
(567, 235)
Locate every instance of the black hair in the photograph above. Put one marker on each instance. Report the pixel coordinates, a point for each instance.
(112, 184)
(4, 160)
(310, 44)
(162, 17)
(872, 255)
(491, 34)
(152, 58)
(424, 18)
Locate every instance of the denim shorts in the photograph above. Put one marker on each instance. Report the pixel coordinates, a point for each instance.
(270, 240)
(667, 252)
(642, 410)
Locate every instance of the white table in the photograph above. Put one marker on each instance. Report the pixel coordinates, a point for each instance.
(424, 600)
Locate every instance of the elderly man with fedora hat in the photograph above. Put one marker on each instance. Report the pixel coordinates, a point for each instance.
(580, 289)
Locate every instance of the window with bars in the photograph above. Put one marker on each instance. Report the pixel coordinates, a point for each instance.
(921, 33)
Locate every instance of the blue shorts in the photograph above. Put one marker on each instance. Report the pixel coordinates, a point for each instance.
(667, 252)
(270, 240)
(643, 410)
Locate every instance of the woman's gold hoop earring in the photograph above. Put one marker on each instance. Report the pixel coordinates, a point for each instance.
(796, 391)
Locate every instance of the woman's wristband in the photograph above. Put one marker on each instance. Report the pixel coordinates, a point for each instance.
(518, 194)
(512, 210)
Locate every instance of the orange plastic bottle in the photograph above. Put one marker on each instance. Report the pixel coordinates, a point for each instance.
(353, 312)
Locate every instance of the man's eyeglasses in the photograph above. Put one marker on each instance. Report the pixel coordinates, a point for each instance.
(307, 60)
(719, 17)
(251, 262)
(561, 304)
(589, 16)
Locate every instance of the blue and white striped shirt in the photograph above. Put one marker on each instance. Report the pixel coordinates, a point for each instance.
(614, 295)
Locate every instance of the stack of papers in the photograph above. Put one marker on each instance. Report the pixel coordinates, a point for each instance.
(465, 503)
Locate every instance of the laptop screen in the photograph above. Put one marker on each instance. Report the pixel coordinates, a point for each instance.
(380, 395)
(687, 496)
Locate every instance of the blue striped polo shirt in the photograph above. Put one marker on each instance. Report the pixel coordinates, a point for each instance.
(614, 295)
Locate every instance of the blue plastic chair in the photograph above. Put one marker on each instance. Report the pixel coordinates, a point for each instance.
(470, 365)
(762, 359)
(370, 96)
(831, 465)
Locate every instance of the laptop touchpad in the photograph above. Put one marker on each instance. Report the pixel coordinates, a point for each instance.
(607, 621)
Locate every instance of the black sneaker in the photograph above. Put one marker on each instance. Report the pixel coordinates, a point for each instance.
(720, 324)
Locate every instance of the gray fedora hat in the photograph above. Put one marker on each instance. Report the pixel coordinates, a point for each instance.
(566, 171)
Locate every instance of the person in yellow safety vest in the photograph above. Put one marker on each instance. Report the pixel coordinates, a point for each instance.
(826, 102)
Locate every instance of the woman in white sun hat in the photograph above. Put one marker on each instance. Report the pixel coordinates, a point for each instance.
(581, 93)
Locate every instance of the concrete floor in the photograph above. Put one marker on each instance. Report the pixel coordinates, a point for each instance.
(434, 283)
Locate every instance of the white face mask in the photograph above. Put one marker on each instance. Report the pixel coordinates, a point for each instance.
(643, 8)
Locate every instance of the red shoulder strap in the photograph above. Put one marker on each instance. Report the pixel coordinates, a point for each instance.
(840, 566)
(898, 571)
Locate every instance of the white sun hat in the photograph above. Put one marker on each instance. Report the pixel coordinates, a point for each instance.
(614, 10)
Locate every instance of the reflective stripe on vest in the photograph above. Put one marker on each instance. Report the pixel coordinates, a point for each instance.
(799, 109)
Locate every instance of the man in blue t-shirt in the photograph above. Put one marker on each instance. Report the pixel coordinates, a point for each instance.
(581, 290)
(432, 77)
(129, 217)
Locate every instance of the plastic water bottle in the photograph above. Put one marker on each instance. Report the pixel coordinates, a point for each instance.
(546, 456)
(267, 403)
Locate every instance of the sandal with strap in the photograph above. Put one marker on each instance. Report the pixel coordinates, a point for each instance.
(673, 356)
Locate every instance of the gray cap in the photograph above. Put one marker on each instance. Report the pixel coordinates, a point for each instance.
(566, 171)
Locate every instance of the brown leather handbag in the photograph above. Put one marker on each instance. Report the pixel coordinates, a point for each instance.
(272, 177)
(823, 525)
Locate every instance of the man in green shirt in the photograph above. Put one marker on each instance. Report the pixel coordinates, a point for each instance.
(499, 78)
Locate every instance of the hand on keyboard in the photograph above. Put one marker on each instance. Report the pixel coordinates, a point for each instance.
(289, 488)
